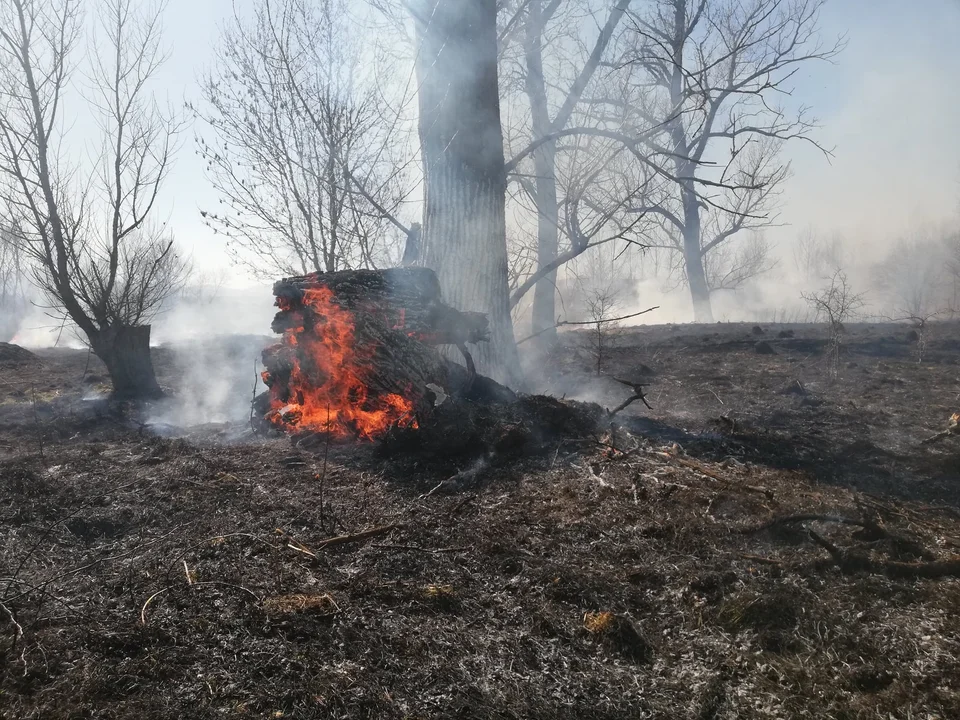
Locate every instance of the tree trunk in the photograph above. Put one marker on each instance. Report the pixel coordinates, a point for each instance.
(693, 259)
(548, 218)
(464, 233)
(125, 350)
(545, 169)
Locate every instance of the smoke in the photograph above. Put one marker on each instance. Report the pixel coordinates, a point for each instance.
(209, 351)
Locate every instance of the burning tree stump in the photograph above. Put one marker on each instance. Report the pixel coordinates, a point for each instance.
(359, 352)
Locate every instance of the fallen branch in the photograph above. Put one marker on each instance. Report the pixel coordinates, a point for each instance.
(852, 562)
(565, 323)
(704, 470)
(809, 517)
(761, 559)
(17, 628)
(637, 395)
(953, 428)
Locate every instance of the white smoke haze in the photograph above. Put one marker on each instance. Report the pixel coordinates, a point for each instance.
(214, 336)
(883, 206)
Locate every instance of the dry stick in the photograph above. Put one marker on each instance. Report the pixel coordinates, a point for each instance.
(704, 470)
(809, 517)
(50, 528)
(253, 402)
(432, 551)
(94, 563)
(36, 421)
(214, 538)
(143, 610)
(637, 395)
(360, 536)
(471, 367)
(587, 322)
(87, 366)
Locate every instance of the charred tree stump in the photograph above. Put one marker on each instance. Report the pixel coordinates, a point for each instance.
(125, 350)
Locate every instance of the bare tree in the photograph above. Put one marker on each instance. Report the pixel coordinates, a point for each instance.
(542, 32)
(303, 156)
(703, 79)
(836, 304)
(96, 251)
(464, 225)
(915, 282)
(596, 190)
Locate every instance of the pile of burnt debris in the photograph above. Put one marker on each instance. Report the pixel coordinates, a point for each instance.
(360, 359)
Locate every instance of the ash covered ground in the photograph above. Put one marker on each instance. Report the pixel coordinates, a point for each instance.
(167, 563)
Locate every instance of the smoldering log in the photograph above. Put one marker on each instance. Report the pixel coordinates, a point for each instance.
(396, 317)
(405, 298)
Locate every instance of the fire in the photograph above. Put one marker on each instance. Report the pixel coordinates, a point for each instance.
(327, 391)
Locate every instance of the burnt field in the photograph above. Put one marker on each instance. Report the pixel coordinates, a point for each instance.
(767, 541)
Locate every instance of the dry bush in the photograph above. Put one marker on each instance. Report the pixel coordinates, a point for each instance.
(603, 305)
(835, 304)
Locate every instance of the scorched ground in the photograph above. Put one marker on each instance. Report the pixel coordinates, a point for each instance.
(207, 576)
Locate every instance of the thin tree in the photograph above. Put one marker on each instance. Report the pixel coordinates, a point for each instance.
(464, 227)
(13, 290)
(708, 76)
(836, 304)
(89, 233)
(532, 23)
(301, 154)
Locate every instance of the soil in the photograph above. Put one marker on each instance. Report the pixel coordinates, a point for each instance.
(678, 567)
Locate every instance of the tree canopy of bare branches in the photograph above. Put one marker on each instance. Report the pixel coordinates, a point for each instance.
(706, 84)
(89, 229)
(302, 152)
(545, 52)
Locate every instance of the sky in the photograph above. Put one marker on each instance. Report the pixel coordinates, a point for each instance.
(890, 106)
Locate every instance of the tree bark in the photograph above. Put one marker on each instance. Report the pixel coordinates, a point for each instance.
(548, 242)
(464, 229)
(693, 259)
(125, 350)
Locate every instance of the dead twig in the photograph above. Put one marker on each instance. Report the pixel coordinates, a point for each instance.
(36, 420)
(760, 559)
(323, 472)
(253, 401)
(565, 323)
(637, 395)
(704, 470)
(853, 562)
(17, 628)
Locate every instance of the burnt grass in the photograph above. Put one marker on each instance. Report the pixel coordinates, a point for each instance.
(151, 572)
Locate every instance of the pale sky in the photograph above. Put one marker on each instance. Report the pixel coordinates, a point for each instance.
(890, 106)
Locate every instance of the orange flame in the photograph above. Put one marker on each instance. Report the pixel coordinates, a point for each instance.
(327, 391)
